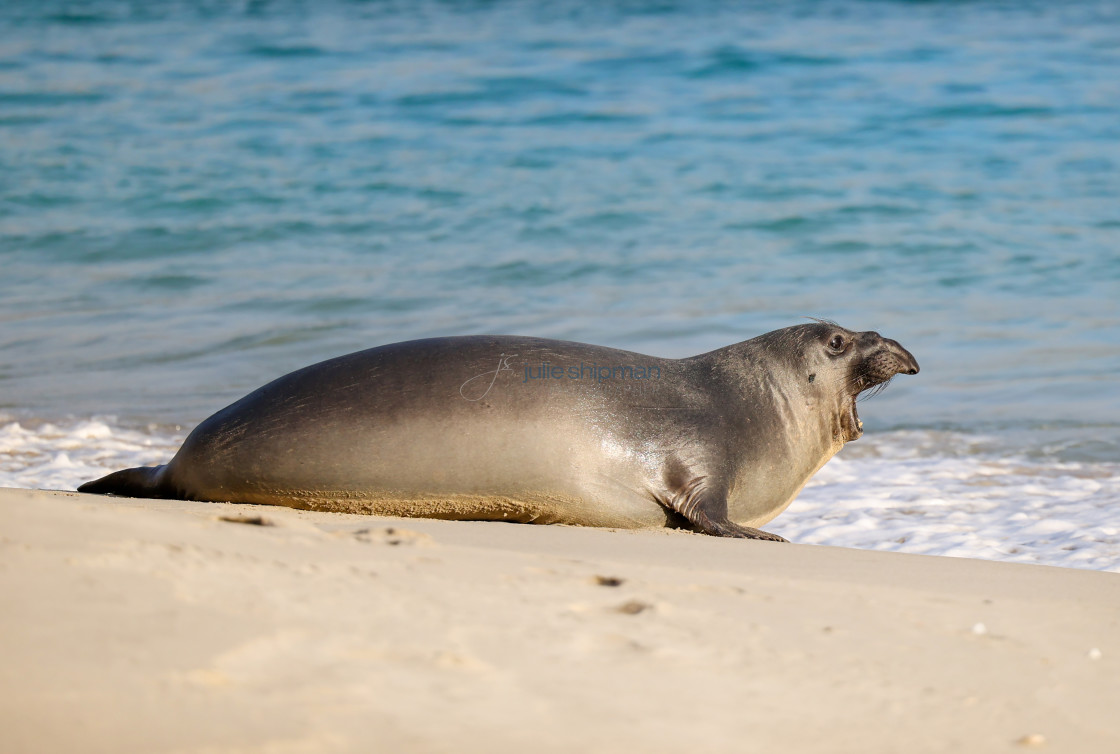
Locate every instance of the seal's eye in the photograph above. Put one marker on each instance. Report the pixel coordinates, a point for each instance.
(837, 343)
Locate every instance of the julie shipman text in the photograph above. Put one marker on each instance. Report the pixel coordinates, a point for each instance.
(548, 371)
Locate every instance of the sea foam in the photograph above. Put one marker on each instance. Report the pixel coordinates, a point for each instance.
(60, 455)
(898, 493)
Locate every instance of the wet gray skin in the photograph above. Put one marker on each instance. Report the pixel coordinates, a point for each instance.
(543, 431)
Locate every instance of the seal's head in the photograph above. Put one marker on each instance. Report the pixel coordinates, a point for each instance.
(840, 364)
(869, 361)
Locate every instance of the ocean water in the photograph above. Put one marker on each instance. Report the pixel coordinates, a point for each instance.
(198, 197)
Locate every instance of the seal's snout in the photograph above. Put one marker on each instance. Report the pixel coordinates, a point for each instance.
(907, 364)
(883, 359)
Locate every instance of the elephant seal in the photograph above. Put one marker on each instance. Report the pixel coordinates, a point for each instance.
(543, 431)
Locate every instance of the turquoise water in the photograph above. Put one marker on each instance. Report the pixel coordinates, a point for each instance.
(198, 197)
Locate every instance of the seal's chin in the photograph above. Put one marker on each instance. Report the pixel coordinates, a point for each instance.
(849, 421)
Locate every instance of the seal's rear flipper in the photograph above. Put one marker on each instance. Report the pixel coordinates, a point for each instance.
(139, 482)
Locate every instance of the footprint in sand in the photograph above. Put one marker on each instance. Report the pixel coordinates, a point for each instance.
(393, 536)
(251, 520)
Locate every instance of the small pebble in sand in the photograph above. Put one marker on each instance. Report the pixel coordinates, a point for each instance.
(979, 629)
(633, 607)
(1094, 654)
(1033, 740)
(609, 581)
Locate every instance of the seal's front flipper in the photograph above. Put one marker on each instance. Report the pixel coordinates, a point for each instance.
(706, 509)
(719, 526)
(731, 529)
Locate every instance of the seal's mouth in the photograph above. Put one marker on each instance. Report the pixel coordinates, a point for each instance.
(875, 374)
(850, 421)
(853, 426)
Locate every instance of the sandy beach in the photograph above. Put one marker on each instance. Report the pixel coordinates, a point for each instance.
(161, 626)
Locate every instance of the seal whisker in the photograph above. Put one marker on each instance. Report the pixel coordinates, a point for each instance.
(876, 389)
